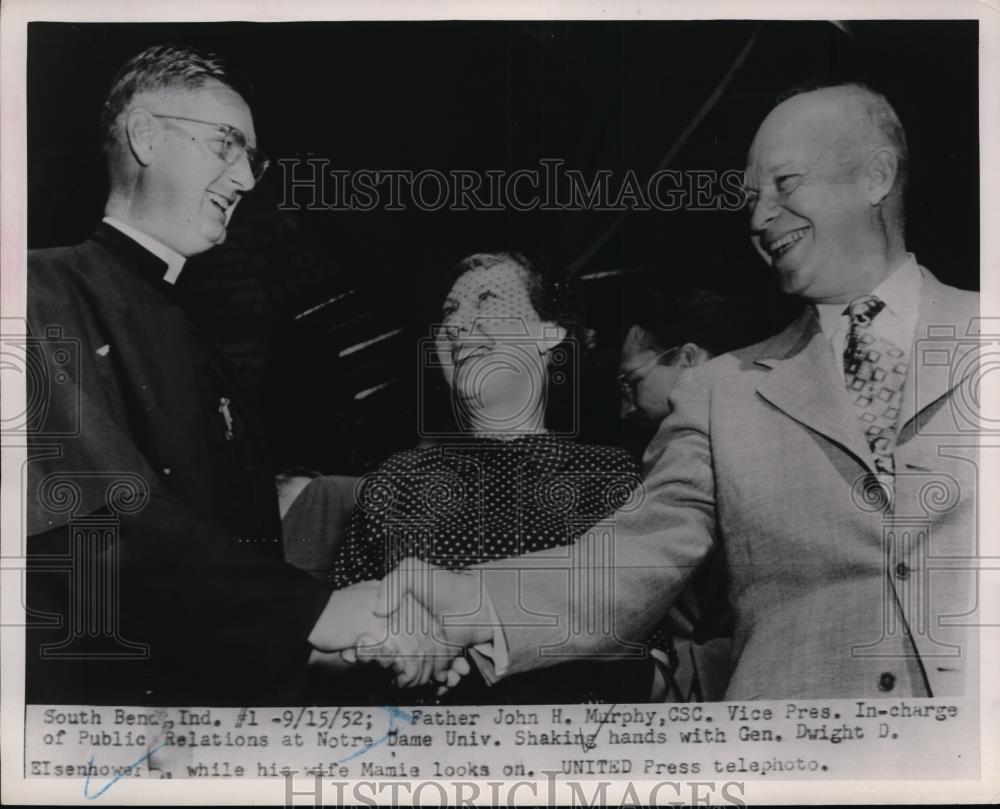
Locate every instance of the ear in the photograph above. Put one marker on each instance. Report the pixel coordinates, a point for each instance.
(880, 174)
(552, 335)
(692, 355)
(637, 337)
(140, 130)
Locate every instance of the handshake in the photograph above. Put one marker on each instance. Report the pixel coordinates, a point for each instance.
(417, 621)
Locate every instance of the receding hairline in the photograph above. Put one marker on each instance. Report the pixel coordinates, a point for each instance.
(860, 115)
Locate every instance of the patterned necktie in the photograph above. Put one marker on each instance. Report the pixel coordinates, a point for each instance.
(874, 371)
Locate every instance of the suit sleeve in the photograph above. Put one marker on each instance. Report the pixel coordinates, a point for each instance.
(604, 594)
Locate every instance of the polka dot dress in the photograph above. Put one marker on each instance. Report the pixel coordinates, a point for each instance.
(477, 500)
(468, 502)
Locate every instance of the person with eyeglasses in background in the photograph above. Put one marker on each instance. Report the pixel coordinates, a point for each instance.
(145, 432)
(670, 335)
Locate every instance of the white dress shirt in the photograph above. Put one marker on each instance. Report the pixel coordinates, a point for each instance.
(896, 323)
(174, 260)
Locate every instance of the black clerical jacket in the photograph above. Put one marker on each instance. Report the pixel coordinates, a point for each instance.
(155, 557)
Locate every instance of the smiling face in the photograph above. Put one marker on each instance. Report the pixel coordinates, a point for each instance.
(187, 192)
(492, 343)
(813, 218)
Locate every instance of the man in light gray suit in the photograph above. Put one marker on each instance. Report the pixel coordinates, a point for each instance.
(834, 465)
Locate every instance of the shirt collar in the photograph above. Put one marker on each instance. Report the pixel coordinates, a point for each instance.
(900, 291)
(169, 256)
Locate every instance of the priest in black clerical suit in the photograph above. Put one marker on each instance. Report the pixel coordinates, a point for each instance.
(155, 561)
(160, 424)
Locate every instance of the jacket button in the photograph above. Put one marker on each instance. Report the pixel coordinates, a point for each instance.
(887, 681)
(902, 570)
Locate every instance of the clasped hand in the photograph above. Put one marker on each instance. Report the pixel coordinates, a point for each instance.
(416, 622)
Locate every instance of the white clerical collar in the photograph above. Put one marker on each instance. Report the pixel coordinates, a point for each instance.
(900, 291)
(173, 259)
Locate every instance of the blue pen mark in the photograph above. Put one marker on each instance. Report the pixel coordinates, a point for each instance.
(117, 778)
(394, 714)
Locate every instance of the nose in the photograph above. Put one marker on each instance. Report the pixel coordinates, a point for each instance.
(241, 175)
(453, 329)
(763, 212)
(460, 349)
(628, 410)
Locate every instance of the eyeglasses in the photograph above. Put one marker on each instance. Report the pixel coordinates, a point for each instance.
(629, 382)
(231, 147)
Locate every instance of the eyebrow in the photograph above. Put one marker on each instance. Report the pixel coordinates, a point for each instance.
(243, 132)
(776, 167)
(773, 169)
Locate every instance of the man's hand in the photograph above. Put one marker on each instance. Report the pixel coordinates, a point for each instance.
(416, 647)
(456, 600)
(410, 642)
(417, 621)
(347, 617)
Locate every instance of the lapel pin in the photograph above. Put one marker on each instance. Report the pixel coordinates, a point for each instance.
(227, 416)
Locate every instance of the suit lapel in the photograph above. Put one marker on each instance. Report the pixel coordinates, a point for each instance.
(805, 384)
(943, 350)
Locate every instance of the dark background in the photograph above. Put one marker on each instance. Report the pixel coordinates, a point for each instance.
(487, 95)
